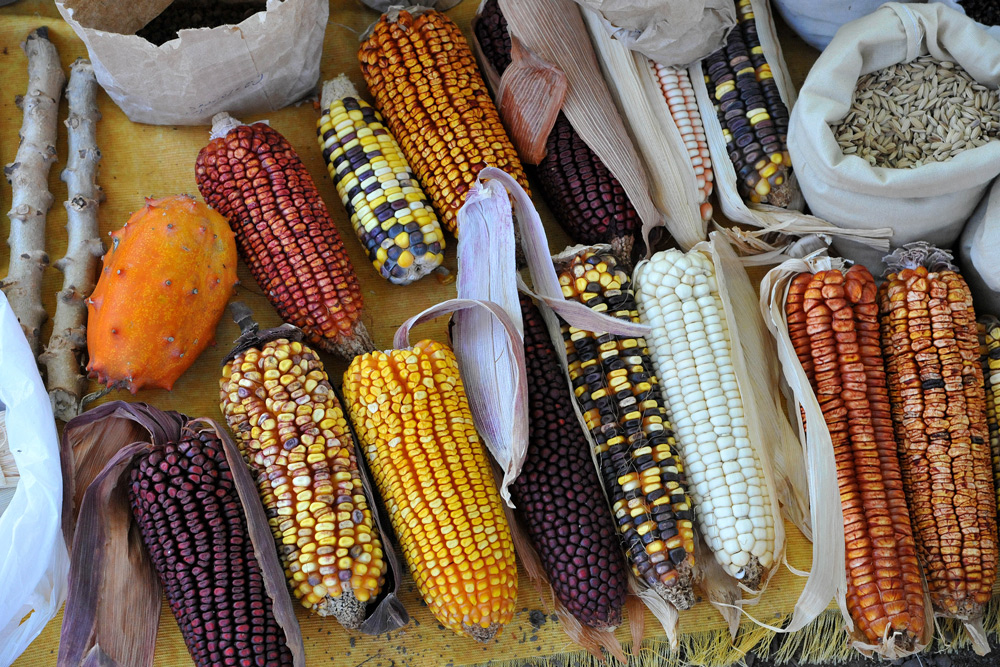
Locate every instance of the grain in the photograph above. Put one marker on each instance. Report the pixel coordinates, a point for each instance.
(915, 113)
(986, 12)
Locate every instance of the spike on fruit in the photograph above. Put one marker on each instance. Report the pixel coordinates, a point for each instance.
(131, 315)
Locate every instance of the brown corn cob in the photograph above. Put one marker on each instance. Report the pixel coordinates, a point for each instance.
(584, 196)
(636, 452)
(833, 325)
(936, 387)
(255, 179)
(989, 341)
(424, 79)
(290, 428)
(185, 502)
(559, 493)
(413, 419)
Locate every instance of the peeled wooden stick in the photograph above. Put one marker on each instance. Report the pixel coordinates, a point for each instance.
(28, 176)
(64, 354)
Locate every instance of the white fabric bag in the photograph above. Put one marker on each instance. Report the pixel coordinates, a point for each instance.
(930, 203)
(34, 562)
(979, 253)
(993, 30)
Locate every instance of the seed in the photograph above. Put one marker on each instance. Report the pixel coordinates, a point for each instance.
(909, 114)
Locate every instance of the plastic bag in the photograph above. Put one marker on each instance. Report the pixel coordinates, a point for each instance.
(34, 562)
(817, 21)
(977, 253)
(929, 203)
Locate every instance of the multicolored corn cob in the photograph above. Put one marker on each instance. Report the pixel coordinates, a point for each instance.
(559, 493)
(255, 179)
(413, 419)
(675, 84)
(754, 119)
(191, 521)
(692, 353)
(989, 342)
(833, 324)
(424, 79)
(936, 386)
(389, 212)
(585, 198)
(291, 430)
(621, 403)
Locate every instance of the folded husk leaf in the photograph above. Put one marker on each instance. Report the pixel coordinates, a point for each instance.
(529, 97)
(788, 220)
(828, 570)
(113, 608)
(673, 32)
(673, 184)
(554, 30)
(385, 612)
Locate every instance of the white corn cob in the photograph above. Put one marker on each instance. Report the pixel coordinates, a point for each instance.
(679, 94)
(691, 349)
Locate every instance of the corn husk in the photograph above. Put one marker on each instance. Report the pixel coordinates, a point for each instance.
(113, 608)
(385, 612)
(8, 469)
(554, 32)
(788, 220)
(828, 566)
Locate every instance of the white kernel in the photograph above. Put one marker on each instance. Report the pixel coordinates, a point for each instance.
(741, 558)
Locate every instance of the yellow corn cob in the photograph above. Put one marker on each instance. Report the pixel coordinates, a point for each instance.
(989, 340)
(675, 84)
(290, 428)
(413, 419)
(389, 212)
(424, 79)
(936, 390)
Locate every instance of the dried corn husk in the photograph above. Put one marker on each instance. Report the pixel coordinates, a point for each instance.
(554, 32)
(828, 565)
(113, 608)
(8, 469)
(788, 220)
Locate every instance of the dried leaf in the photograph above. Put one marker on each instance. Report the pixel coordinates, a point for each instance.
(529, 97)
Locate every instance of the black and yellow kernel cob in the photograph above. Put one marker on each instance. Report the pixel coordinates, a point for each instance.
(621, 403)
(754, 119)
(389, 211)
(989, 342)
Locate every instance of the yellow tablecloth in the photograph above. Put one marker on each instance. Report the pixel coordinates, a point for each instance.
(140, 161)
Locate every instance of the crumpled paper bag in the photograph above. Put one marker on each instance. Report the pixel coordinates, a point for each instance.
(671, 32)
(264, 63)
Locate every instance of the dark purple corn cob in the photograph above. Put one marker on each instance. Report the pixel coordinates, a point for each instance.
(585, 198)
(754, 119)
(559, 493)
(191, 521)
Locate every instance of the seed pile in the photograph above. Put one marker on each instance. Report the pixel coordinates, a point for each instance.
(910, 114)
(986, 12)
(188, 14)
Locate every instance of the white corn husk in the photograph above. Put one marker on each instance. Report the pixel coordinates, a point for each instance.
(829, 551)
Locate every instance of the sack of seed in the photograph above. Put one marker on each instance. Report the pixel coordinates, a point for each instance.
(977, 252)
(897, 126)
(181, 62)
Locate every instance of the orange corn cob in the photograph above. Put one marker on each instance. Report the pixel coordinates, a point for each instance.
(424, 79)
(833, 324)
(255, 179)
(936, 386)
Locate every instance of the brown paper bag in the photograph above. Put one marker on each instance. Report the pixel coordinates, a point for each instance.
(262, 64)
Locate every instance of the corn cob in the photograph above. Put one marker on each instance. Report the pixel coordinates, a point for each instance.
(291, 430)
(559, 493)
(833, 323)
(989, 341)
(190, 518)
(585, 198)
(675, 84)
(622, 406)
(411, 413)
(678, 296)
(423, 76)
(255, 179)
(753, 117)
(390, 213)
(938, 400)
